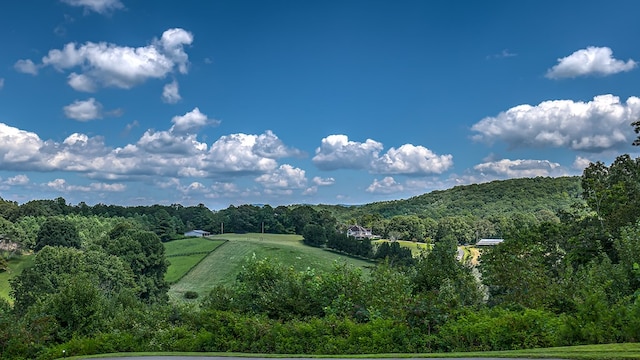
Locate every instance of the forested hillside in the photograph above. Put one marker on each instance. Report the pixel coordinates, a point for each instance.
(496, 198)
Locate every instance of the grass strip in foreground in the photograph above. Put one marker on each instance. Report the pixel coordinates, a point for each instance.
(604, 351)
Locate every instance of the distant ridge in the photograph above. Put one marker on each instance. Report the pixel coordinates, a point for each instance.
(500, 197)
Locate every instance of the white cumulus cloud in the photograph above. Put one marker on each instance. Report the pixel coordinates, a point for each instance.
(338, 152)
(590, 61)
(323, 181)
(284, 178)
(98, 6)
(236, 153)
(62, 186)
(18, 180)
(171, 93)
(411, 159)
(192, 121)
(167, 153)
(270, 146)
(387, 185)
(110, 65)
(597, 125)
(581, 163)
(26, 66)
(520, 168)
(84, 110)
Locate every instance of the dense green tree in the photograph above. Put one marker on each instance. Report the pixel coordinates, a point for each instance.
(164, 225)
(390, 291)
(301, 216)
(9, 233)
(268, 287)
(57, 232)
(628, 254)
(430, 228)
(636, 129)
(614, 192)
(314, 235)
(393, 254)
(78, 306)
(525, 269)
(460, 228)
(407, 227)
(9, 210)
(53, 267)
(439, 272)
(145, 254)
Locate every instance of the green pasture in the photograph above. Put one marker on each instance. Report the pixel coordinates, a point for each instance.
(184, 254)
(16, 265)
(223, 265)
(604, 351)
(416, 247)
(180, 265)
(190, 245)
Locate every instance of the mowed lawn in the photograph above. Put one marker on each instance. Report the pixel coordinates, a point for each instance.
(15, 267)
(184, 254)
(415, 247)
(223, 265)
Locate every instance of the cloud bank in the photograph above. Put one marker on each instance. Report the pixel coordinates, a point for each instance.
(593, 126)
(338, 152)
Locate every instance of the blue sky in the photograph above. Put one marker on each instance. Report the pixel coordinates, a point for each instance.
(283, 102)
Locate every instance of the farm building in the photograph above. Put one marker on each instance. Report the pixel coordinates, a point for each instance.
(360, 232)
(489, 242)
(197, 233)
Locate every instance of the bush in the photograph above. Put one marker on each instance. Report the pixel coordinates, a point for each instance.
(190, 295)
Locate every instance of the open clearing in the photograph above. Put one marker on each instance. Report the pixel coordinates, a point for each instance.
(222, 266)
(190, 246)
(184, 254)
(15, 267)
(416, 247)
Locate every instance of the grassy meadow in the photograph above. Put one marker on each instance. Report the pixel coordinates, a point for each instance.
(416, 247)
(222, 265)
(16, 265)
(186, 253)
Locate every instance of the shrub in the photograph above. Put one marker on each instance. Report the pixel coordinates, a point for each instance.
(190, 295)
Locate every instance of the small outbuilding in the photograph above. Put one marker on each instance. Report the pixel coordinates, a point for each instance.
(197, 233)
(489, 242)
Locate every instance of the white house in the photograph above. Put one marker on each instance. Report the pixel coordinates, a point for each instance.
(197, 233)
(359, 232)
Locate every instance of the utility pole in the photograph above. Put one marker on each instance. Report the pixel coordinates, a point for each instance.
(222, 227)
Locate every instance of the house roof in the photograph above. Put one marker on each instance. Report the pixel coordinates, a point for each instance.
(197, 232)
(489, 242)
(357, 228)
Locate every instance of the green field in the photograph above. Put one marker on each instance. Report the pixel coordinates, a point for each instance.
(416, 247)
(223, 265)
(184, 254)
(15, 267)
(605, 351)
(190, 245)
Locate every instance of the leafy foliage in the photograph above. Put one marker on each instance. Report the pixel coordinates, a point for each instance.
(57, 232)
(144, 253)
